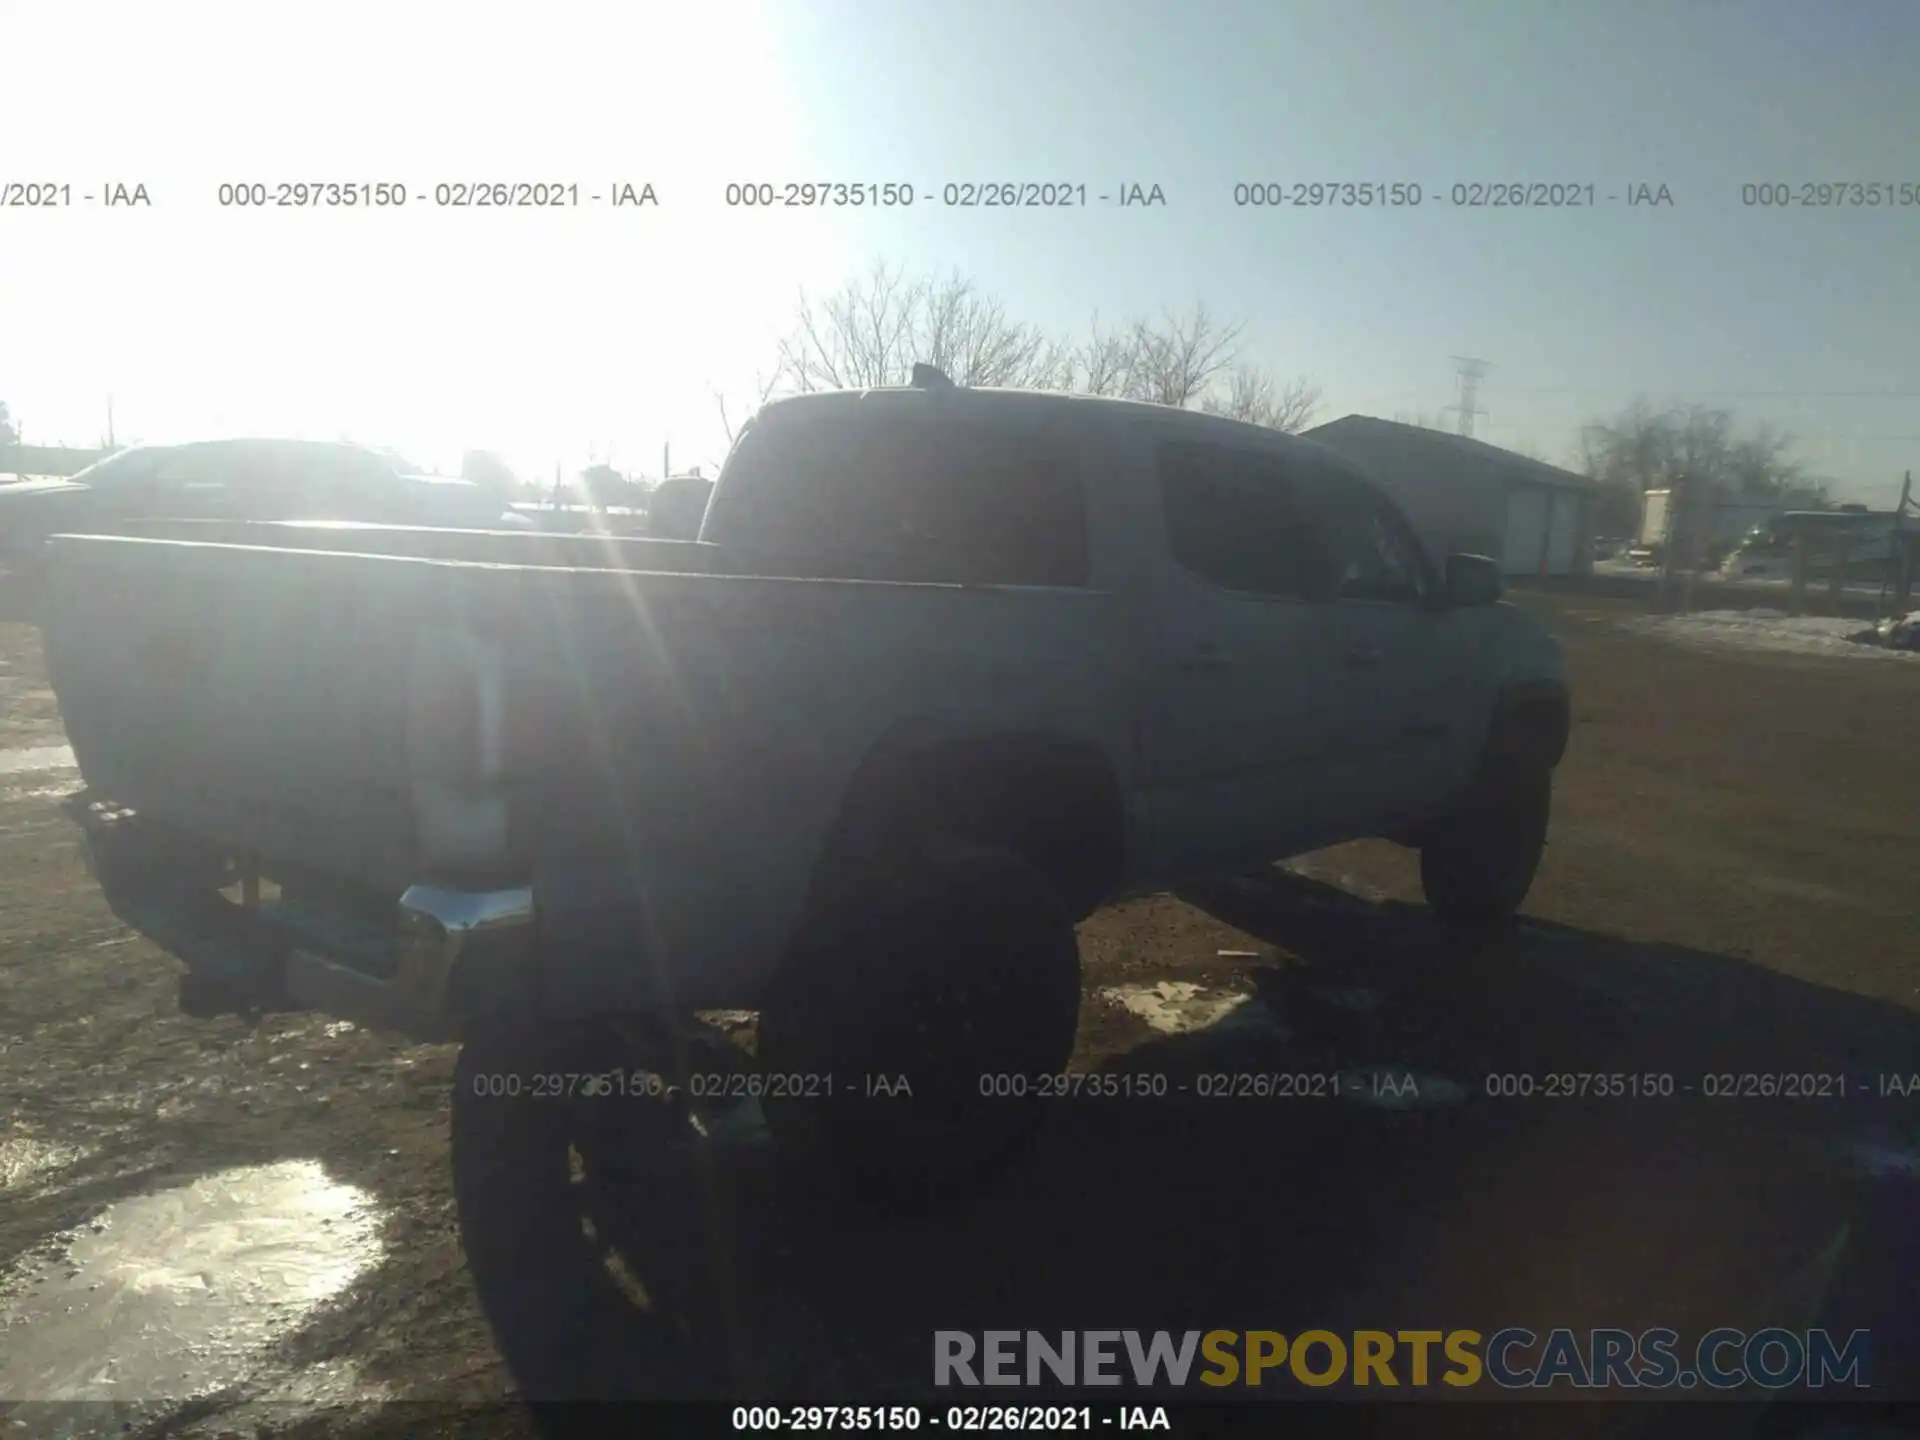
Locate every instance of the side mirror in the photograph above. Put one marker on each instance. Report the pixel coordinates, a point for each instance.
(1473, 580)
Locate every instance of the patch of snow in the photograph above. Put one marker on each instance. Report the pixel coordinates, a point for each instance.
(1179, 1007)
(1773, 630)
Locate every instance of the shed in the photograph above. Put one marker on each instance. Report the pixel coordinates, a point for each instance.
(1464, 494)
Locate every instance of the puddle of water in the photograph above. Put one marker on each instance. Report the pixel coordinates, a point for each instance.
(180, 1293)
(1179, 1007)
(36, 757)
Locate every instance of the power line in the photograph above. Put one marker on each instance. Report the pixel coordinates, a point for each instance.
(1833, 437)
(1602, 391)
(1723, 394)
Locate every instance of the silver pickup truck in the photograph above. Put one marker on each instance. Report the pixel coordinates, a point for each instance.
(945, 671)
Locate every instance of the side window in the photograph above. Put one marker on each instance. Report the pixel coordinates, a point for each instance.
(1002, 506)
(936, 499)
(1367, 548)
(1233, 518)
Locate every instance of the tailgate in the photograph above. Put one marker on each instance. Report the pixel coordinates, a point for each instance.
(250, 696)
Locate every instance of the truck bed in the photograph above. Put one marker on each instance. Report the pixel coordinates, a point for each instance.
(670, 731)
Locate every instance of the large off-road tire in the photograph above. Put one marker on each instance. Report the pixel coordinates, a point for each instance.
(553, 1183)
(1477, 866)
(936, 995)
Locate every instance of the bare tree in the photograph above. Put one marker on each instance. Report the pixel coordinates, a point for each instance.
(9, 435)
(1648, 447)
(1252, 396)
(1105, 363)
(972, 339)
(859, 336)
(764, 387)
(873, 329)
(1176, 361)
(1761, 463)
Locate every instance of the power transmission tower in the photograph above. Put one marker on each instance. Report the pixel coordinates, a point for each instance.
(1470, 372)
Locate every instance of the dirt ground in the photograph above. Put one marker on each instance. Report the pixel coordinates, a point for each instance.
(1730, 886)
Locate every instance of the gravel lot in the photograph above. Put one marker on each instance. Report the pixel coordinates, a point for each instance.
(261, 1216)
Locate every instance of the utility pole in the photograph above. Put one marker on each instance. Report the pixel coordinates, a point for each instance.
(1470, 372)
(666, 460)
(1907, 542)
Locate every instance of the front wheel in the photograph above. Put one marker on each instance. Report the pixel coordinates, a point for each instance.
(1477, 866)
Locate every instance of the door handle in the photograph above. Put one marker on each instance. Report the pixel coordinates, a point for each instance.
(1362, 657)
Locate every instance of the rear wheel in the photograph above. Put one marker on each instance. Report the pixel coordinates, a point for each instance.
(600, 1211)
(1477, 866)
(932, 1000)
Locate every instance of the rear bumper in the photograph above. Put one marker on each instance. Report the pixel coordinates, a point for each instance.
(457, 951)
(441, 956)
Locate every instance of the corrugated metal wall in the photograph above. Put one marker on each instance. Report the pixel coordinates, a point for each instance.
(1458, 501)
(1453, 502)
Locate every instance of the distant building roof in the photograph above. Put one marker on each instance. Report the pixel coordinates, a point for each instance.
(1521, 466)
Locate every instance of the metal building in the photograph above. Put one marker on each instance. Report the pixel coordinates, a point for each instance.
(1464, 494)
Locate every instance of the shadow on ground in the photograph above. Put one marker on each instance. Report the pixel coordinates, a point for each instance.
(1326, 1155)
(1392, 1191)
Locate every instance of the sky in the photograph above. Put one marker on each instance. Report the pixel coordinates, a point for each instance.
(565, 335)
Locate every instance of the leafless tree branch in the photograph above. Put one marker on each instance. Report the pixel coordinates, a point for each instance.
(873, 329)
(1176, 360)
(1252, 396)
(764, 386)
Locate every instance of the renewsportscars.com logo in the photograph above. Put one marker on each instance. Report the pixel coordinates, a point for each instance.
(1510, 1359)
